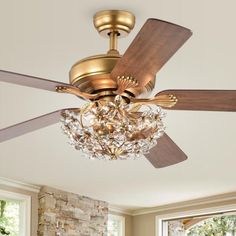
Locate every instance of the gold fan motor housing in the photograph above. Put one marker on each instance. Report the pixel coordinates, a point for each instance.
(92, 74)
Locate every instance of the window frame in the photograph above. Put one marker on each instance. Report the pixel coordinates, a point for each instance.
(121, 219)
(25, 209)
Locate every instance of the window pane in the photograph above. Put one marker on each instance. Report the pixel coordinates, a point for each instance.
(218, 225)
(115, 226)
(9, 217)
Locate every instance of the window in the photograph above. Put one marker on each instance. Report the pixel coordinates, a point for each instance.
(10, 217)
(179, 222)
(116, 225)
(207, 225)
(14, 214)
(217, 225)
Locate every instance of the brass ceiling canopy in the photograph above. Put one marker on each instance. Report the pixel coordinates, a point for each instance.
(114, 21)
(92, 74)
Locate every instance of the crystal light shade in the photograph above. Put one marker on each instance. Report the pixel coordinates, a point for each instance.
(113, 129)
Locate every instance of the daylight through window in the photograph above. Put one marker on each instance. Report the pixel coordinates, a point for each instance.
(116, 225)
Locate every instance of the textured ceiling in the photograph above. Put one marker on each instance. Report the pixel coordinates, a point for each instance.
(44, 38)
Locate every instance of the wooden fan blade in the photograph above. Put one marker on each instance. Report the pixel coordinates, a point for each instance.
(203, 100)
(153, 46)
(30, 125)
(30, 81)
(165, 153)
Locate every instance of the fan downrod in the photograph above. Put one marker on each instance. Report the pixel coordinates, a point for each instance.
(114, 24)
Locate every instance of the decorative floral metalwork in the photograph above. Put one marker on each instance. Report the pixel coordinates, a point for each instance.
(113, 129)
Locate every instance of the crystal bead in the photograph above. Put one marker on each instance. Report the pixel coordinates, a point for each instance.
(107, 131)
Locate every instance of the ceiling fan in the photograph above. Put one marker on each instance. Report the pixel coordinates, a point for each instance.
(116, 124)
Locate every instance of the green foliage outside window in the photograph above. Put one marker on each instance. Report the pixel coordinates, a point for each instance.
(9, 218)
(217, 226)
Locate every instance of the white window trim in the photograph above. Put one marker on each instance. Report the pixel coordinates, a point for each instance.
(161, 229)
(121, 219)
(20, 185)
(25, 209)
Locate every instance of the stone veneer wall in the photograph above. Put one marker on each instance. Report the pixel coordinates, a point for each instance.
(67, 214)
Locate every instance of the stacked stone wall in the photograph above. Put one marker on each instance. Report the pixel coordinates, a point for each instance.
(67, 214)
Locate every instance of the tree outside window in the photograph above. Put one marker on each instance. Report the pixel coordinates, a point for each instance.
(206, 226)
(9, 217)
(217, 226)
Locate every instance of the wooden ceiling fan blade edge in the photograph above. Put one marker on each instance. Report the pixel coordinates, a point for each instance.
(157, 40)
(30, 81)
(30, 125)
(165, 153)
(203, 100)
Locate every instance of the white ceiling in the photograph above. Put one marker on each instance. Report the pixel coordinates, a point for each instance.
(44, 38)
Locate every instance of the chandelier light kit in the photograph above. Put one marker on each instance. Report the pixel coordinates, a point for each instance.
(117, 123)
(110, 130)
